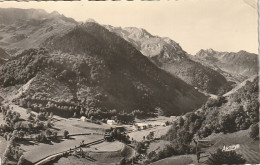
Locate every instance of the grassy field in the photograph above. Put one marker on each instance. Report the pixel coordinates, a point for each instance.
(72, 160)
(102, 160)
(157, 145)
(248, 147)
(158, 132)
(44, 150)
(104, 153)
(105, 147)
(74, 126)
(175, 160)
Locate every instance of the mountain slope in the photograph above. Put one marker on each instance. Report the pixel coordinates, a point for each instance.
(230, 114)
(168, 55)
(240, 65)
(22, 29)
(100, 71)
(241, 85)
(3, 56)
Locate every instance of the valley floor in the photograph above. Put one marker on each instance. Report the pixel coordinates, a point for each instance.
(111, 151)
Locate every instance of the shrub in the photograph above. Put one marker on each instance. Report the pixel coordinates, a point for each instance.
(216, 102)
(21, 160)
(49, 124)
(228, 123)
(54, 134)
(140, 148)
(66, 134)
(152, 156)
(254, 131)
(225, 157)
(48, 132)
(41, 138)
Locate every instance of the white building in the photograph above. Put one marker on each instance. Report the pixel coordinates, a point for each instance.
(83, 118)
(111, 122)
(141, 126)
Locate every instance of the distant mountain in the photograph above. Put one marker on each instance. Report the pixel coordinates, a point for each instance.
(90, 67)
(168, 55)
(22, 29)
(239, 66)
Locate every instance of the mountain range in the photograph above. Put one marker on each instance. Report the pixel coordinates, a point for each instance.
(88, 66)
(169, 56)
(56, 60)
(235, 66)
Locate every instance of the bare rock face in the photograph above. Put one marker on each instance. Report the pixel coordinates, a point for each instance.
(241, 64)
(168, 55)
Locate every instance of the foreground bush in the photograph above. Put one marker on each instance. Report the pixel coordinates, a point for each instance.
(225, 157)
(254, 131)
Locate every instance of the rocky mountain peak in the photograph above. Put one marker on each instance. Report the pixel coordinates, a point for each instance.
(206, 52)
(91, 20)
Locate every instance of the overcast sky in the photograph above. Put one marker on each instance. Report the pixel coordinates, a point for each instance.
(224, 25)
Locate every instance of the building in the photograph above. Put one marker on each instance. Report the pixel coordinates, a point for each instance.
(141, 126)
(111, 122)
(83, 118)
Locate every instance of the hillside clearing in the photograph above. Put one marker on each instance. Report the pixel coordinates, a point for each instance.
(248, 148)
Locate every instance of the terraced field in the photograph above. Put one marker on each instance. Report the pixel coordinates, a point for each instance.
(249, 149)
(250, 155)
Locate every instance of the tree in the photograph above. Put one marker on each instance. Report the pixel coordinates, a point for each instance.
(75, 114)
(140, 147)
(228, 123)
(181, 121)
(41, 138)
(150, 136)
(6, 136)
(21, 134)
(152, 156)
(28, 110)
(8, 152)
(49, 124)
(55, 134)
(48, 133)
(31, 117)
(225, 157)
(254, 131)
(51, 115)
(66, 134)
(21, 160)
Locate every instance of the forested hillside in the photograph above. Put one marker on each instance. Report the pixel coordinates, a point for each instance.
(230, 114)
(90, 69)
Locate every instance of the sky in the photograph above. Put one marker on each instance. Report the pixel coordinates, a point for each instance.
(223, 25)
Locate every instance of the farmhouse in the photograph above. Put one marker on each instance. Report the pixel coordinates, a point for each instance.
(141, 126)
(111, 122)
